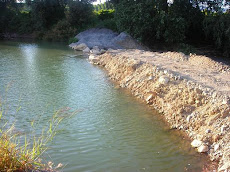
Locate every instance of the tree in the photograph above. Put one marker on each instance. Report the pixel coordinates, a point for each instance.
(47, 13)
(79, 13)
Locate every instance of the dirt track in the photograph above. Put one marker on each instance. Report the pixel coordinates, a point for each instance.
(199, 69)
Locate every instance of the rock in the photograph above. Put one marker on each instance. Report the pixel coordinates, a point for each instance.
(125, 41)
(80, 47)
(163, 80)
(226, 101)
(225, 167)
(86, 50)
(215, 138)
(198, 91)
(93, 58)
(149, 98)
(196, 143)
(203, 148)
(106, 38)
(216, 147)
(199, 137)
(102, 51)
(95, 50)
(223, 128)
(208, 131)
(189, 117)
(150, 78)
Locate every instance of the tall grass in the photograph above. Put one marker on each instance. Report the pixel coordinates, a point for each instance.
(23, 153)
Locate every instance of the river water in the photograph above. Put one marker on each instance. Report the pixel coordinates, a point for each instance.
(112, 130)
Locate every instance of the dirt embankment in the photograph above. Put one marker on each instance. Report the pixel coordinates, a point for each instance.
(191, 91)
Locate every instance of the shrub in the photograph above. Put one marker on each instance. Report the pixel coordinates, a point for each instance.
(46, 13)
(169, 29)
(148, 24)
(217, 30)
(105, 14)
(80, 13)
(136, 19)
(192, 16)
(186, 49)
(108, 23)
(72, 40)
(62, 31)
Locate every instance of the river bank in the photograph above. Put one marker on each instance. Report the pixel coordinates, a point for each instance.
(191, 91)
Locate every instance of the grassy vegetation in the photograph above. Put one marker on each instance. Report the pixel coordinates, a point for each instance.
(24, 152)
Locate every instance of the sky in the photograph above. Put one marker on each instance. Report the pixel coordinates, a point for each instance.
(98, 2)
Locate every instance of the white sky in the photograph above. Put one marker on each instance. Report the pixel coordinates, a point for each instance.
(98, 2)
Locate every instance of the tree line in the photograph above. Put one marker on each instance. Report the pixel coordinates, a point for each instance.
(175, 22)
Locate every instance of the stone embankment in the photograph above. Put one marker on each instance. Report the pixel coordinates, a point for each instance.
(192, 92)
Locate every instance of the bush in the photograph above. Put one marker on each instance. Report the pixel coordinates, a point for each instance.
(72, 40)
(108, 23)
(169, 29)
(136, 19)
(186, 49)
(217, 30)
(62, 31)
(79, 14)
(105, 14)
(192, 16)
(26, 24)
(46, 13)
(148, 24)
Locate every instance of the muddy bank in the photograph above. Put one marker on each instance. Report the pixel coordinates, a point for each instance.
(191, 91)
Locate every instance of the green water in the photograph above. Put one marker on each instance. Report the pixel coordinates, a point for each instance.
(112, 132)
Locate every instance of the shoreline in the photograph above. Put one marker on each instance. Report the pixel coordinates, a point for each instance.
(201, 112)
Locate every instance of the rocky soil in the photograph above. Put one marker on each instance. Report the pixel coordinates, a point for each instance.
(191, 91)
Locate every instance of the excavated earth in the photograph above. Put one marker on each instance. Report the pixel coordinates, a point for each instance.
(192, 92)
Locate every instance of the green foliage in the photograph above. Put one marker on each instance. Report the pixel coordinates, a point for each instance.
(45, 14)
(105, 19)
(108, 23)
(26, 24)
(129, 17)
(149, 21)
(105, 14)
(62, 31)
(186, 49)
(72, 40)
(217, 30)
(153, 26)
(192, 16)
(104, 6)
(23, 152)
(169, 29)
(79, 13)
(6, 18)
